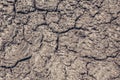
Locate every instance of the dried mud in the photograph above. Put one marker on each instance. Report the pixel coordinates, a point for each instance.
(59, 39)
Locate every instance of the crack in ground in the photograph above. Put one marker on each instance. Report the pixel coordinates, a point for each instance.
(18, 61)
(103, 59)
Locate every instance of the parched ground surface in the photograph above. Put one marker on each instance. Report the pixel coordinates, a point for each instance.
(59, 39)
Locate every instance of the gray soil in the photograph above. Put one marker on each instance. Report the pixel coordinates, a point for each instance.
(59, 39)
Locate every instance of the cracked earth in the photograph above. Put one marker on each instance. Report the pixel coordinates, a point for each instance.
(59, 39)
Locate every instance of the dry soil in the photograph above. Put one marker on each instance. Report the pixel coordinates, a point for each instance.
(59, 39)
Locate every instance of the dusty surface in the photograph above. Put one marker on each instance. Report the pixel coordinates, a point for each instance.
(59, 39)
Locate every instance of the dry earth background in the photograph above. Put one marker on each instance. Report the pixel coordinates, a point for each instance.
(59, 39)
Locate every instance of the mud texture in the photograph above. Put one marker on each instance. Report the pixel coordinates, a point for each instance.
(59, 39)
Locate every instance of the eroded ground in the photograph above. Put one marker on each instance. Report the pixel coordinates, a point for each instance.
(59, 39)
